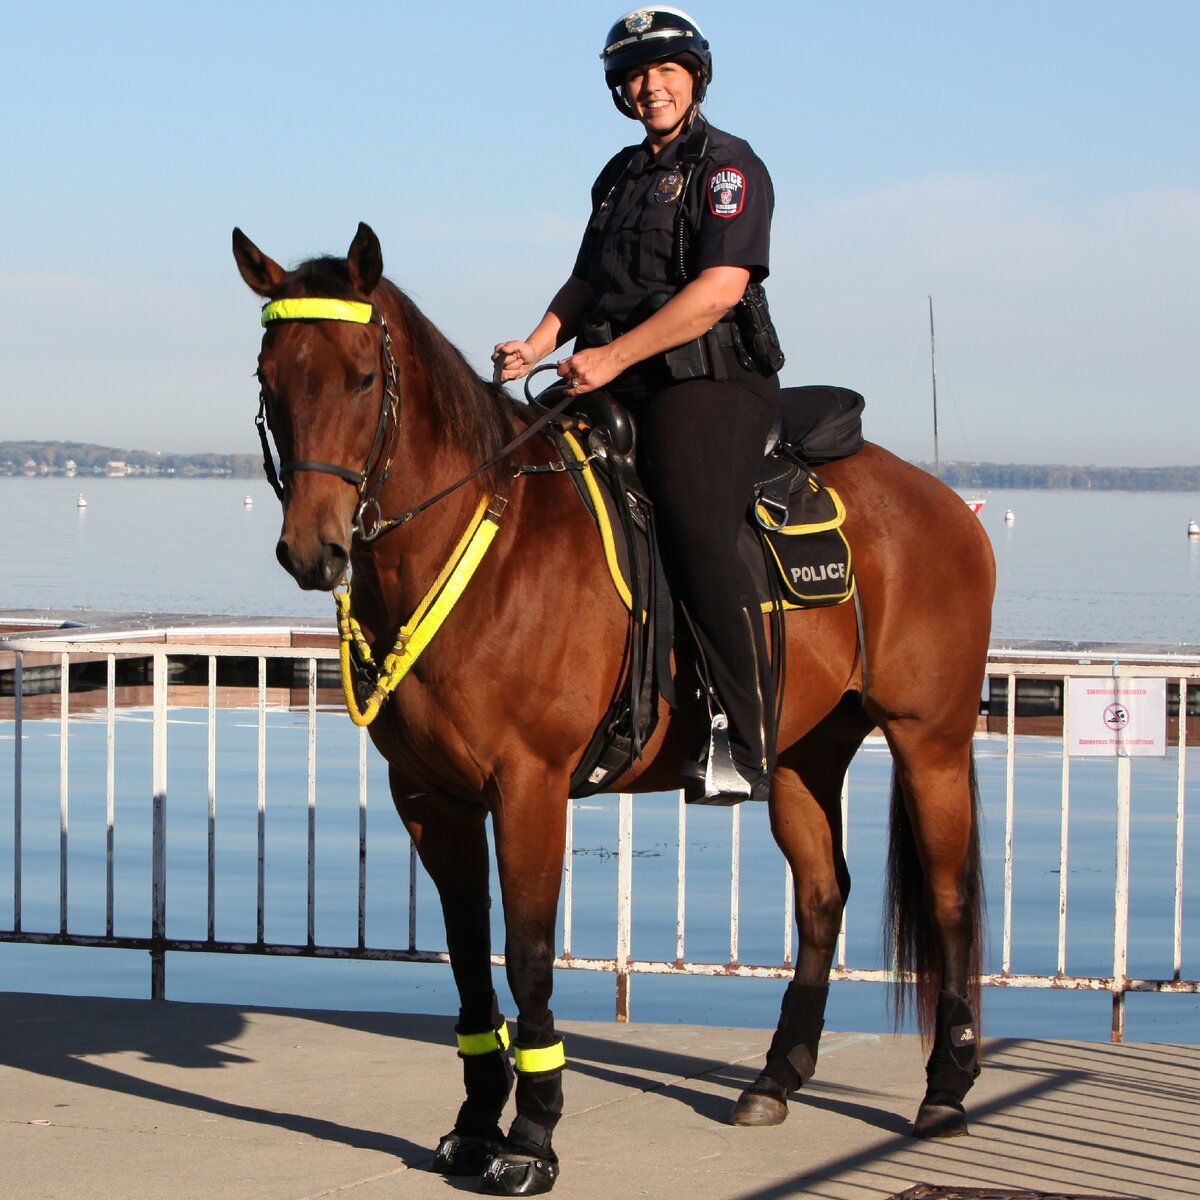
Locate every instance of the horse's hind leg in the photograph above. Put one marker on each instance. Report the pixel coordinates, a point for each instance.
(806, 820)
(451, 840)
(935, 911)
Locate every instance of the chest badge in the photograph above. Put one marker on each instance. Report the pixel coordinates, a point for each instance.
(667, 190)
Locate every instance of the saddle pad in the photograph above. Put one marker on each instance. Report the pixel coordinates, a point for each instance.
(808, 550)
(808, 554)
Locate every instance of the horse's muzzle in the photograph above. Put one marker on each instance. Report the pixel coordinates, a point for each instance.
(321, 572)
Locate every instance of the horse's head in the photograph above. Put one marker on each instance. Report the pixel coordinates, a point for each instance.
(322, 369)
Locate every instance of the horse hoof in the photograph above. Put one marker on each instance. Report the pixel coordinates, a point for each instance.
(461, 1154)
(510, 1174)
(940, 1121)
(764, 1102)
(755, 1109)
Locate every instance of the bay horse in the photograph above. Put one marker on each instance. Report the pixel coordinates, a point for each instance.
(374, 412)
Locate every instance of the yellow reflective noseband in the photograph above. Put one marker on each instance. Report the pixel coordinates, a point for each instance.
(472, 1044)
(316, 308)
(419, 630)
(543, 1058)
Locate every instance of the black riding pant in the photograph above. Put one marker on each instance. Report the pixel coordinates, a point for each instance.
(700, 447)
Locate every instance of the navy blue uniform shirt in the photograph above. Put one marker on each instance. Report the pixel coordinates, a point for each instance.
(628, 250)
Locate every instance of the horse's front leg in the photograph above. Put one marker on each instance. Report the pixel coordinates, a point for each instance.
(530, 838)
(451, 839)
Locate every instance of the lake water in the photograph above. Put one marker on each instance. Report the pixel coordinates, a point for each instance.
(1087, 566)
(1072, 566)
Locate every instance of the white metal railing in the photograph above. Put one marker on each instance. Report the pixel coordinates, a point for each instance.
(71, 649)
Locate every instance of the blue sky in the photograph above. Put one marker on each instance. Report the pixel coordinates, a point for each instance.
(1032, 166)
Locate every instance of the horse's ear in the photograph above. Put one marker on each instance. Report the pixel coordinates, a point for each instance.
(262, 274)
(365, 260)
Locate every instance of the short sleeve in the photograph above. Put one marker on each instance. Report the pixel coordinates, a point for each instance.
(732, 209)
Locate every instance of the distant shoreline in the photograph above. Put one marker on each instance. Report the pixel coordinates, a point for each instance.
(83, 460)
(1058, 477)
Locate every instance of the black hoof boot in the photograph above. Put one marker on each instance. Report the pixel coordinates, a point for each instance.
(940, 1120)
(953, 1066)
(463, 1154)
(764, 1102)
(791, 1059)
(512, 1174)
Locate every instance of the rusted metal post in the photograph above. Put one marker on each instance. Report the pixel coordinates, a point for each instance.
(624, 900)
(64, 787)
(18, 771)
(158, 886)
(1121, 901)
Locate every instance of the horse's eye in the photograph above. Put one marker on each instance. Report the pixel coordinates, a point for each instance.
(368, 382)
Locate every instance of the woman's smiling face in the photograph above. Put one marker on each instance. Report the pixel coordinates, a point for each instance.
(661, 97)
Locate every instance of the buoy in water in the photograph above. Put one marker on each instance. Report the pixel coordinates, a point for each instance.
(81, 502)
(1194, 529)
(249, 502)
(1009, 516)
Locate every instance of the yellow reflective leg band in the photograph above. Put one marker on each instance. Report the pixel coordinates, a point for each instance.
(471, 1044)
(543, 1058)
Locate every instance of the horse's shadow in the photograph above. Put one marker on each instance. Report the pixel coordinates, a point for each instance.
(61, 1037)
(636, 1067)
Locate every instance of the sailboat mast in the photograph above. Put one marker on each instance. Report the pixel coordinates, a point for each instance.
(937, 468)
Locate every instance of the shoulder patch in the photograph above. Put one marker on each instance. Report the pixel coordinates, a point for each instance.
(726, 192)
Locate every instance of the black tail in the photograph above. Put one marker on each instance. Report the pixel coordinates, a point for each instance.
(908, 929)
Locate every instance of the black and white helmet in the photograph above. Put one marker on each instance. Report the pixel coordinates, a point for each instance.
(648, 35)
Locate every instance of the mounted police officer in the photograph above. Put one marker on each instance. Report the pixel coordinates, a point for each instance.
(666, 307)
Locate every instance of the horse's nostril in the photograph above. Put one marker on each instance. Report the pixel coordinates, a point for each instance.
(283, 555)
(337, 558)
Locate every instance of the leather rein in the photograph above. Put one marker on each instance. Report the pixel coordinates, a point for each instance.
(369, 522)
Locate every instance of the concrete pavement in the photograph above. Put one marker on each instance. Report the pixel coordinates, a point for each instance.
(137, 1100)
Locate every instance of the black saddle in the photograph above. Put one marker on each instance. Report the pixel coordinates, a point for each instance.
(816, 425)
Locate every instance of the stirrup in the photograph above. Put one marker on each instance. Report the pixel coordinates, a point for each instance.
(722, 783)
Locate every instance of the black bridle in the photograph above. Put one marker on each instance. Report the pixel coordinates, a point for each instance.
(383, 446)
(387, 433)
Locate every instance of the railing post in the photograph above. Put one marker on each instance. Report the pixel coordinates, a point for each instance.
(64, 788)
(1180, 825)
(624, 900)
(18, 771)
(1009, 808)
(1121, 901)
(158, 897)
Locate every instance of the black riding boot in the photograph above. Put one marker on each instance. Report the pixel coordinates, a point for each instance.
(791, 1059)
(953, 1066)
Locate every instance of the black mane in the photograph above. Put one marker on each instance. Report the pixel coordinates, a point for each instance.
(470, 411)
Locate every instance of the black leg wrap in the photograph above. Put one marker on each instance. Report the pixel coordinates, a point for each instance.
(487, 1080)
(539, 1094)
(791, 1059)
(533, 1036)
(526, 1164)
(952, 1068)
(480, 1017)
(539, 1107)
